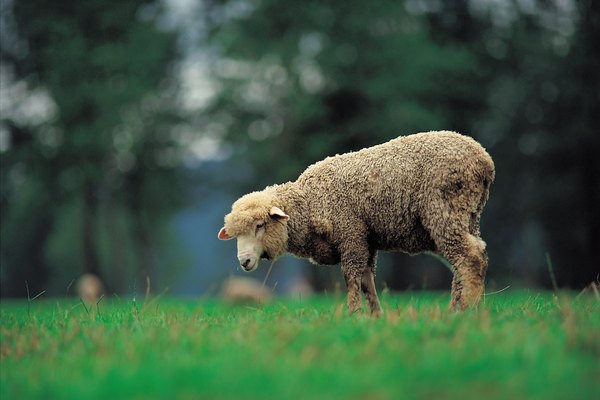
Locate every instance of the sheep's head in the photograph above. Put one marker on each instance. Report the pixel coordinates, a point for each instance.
(260, 228)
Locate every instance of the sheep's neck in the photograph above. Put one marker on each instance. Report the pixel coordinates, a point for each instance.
(294, 204)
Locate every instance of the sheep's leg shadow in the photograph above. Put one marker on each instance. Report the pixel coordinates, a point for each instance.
(368, 287)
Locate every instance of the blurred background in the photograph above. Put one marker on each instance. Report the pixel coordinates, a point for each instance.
(127, 129)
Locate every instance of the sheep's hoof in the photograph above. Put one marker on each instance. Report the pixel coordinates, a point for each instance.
(355, 311)
(457, 307)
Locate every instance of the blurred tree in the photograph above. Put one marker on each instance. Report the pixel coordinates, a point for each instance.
(304, 80)
(311, 79)
(570, 166)
(539, 91)
(103, 149)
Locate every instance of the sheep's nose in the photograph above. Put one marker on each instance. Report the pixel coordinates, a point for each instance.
(246, 262)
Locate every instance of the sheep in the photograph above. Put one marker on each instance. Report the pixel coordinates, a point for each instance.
(89, 288)
(417, 193)
(245, 290)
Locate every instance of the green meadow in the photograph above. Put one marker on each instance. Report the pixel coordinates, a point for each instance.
(515, 345)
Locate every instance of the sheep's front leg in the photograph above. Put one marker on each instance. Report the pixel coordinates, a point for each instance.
(368, 286)
(355, 260)
(353, 285)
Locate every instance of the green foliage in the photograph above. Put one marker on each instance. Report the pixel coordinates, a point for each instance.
(90, 186)
(105, 71)
(515, 345)
(302, 81)
(309, 80)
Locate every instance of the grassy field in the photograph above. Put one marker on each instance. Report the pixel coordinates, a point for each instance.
(517, 345)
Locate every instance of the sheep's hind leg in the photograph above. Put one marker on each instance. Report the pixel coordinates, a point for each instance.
(456, 237)
(368, 287)
(470, 264)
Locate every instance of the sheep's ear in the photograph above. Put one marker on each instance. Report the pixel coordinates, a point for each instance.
(223, 235)
(277, 213)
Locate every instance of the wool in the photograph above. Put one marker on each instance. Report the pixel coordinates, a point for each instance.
(415, 193)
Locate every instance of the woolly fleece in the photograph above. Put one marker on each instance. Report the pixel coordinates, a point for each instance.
(422, 192)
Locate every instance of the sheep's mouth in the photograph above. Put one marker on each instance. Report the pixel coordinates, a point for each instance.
(265, 255)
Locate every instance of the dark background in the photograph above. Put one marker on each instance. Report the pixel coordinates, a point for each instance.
(127, 128)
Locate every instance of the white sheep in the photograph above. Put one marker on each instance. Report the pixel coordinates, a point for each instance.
(422, 192)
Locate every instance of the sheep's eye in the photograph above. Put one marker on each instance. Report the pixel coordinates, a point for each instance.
(261, 225)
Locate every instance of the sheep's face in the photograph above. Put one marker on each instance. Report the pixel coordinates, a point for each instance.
(260, 230)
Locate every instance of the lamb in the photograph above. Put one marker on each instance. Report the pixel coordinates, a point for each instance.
(417, 193)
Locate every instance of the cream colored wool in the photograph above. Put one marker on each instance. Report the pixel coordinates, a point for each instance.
(422, 192)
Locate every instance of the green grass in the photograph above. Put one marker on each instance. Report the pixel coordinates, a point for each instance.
(517, 345)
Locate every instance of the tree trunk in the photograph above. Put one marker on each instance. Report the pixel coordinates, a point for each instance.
(116, 270)
(143, 250)
(90, 209)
